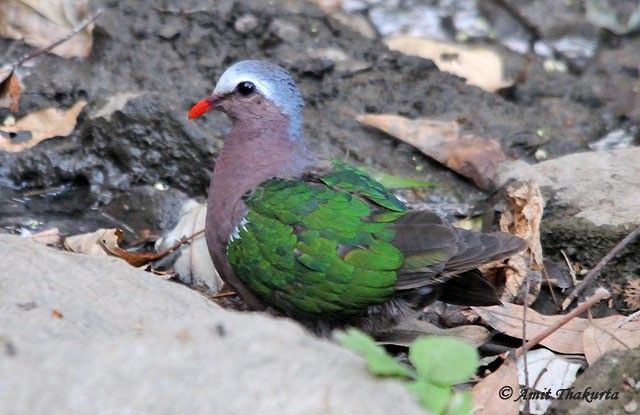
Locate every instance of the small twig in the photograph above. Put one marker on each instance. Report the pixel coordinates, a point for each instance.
(630, 317)
(572, 272)
(71, 34)
(525, 303)
(549, 285)
(600, 294)
(222, 295)
(178, 244)
(591, 275)
(118, 222)
(515, 13)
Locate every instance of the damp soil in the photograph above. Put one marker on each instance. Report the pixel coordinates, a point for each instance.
(134, 157)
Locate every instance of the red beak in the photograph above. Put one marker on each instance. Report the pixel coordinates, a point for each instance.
(203, 106)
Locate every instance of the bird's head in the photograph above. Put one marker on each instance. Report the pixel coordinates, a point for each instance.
(254, 89)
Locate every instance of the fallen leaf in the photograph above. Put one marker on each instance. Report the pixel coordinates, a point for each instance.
(193, 265)
(608, 334)
(410, 329)
(39, 126)
(10, 89)
(106, 242)
(47, 237)
(631, 294)
(41, 22)
(522, 217)
(480, 66)
(507, 318)
(474, 157)
(592, 337)
(548, 373)
(497, 393)
(94, 243)
(57, 314)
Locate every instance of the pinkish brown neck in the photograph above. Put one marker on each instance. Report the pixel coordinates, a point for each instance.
(251, 155)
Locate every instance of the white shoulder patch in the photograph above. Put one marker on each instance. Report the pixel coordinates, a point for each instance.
(235, 235)
(231, 78)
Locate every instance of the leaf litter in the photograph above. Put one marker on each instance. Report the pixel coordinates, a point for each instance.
(476, 158)
(39, 22)
(105, 242)
(38, 126)
(480, 66)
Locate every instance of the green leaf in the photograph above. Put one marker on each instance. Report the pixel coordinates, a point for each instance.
(431, 397)
(461, 403)
(443, 360)
(391, 181)
(379, 361)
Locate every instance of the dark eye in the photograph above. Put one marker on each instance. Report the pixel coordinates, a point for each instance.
(246, 88)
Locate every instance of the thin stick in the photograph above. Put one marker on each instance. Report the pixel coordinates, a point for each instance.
(525, 301)
(222, 295)
(71, 34)
(600, 294)
(572, 272)
(591, 275)
(178, 244)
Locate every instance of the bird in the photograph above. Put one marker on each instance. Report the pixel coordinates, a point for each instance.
(319, 240)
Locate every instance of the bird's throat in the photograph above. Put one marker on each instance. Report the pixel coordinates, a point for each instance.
(250, 156)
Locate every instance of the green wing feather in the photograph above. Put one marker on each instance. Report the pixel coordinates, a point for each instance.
(350, 178)
(335, 243)
(320, 247)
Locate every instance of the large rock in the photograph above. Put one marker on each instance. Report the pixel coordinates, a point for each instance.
(592, 201)
(81, 334)
(601, 187)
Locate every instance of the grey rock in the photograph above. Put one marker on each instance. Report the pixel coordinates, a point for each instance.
(601, 187)
(591, 203)
(609, 384)
(81, 334)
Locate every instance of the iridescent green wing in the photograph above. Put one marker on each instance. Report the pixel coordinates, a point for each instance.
(311, 248)
(348, 177)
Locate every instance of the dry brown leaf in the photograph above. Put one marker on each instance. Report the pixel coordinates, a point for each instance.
(42, 22)
(39, 126)
(106, 242)
(608, 334)
(497, 393)
(136, 259)
(480, 66)
(631, 294)
(10, 89)
(93, 243)
(508, 319)
(474, 157)
(522, 218)
(579, 336)
(409, 329)
(47, 237)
